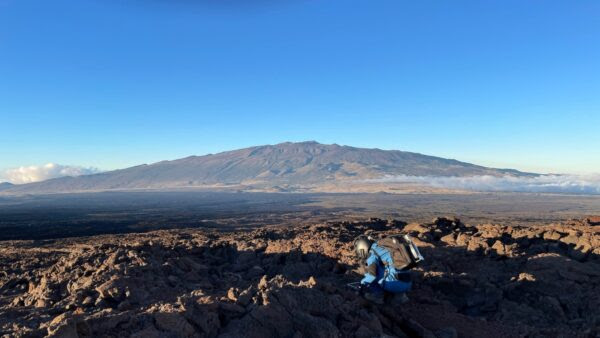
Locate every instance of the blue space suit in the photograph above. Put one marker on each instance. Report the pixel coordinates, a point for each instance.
(381, 275)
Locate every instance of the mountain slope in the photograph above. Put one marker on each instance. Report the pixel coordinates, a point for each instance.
(5, 185)
(289, 164)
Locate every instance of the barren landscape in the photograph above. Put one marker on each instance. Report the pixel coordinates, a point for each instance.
(261, 265)
(283, 167)
(296, 169)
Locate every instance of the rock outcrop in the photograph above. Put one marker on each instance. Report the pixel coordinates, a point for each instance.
(290, 281)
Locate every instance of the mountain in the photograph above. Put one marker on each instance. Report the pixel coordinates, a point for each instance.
(6, 185)
(286, 166)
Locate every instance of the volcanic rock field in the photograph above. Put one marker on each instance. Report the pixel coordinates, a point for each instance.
(487, 280)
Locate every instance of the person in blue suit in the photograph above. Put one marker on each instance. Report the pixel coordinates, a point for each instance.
(380, 274)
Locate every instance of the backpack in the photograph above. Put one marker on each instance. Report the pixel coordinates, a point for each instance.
(404, 253)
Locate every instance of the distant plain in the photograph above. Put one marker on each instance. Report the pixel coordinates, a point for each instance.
(42, 217)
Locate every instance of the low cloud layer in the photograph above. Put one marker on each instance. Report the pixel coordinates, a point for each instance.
(32, 174)
(571, 184)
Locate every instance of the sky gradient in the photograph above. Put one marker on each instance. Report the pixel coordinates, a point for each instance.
(111, 84)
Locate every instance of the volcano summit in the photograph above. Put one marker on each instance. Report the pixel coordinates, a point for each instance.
(304, 166)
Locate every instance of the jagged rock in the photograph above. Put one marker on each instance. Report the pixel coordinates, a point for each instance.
(291, 281)
(449, 239)
(88, 301)
(232, 294)
(314, 326)
(63, 326)
(263, 282)
(462, 239)
(552, 235)
(477, 244)
(274, 320)
(415, 227)
(112, 289)
(571, 239)
(499, 247)
(174, 323)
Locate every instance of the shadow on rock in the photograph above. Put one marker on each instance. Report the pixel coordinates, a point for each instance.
(543, 280)
(253, 284)
(484, 280)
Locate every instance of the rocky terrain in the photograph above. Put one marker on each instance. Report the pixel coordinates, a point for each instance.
(290, 281)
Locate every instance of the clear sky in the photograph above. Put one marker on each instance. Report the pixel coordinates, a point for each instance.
(111, 84)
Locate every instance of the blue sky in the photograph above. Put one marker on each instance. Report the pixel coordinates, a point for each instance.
(111, 84)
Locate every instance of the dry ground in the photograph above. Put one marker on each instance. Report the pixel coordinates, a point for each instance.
(290, 281)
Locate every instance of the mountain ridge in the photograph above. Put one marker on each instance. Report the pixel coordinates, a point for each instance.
(288, 164)
(5, 185)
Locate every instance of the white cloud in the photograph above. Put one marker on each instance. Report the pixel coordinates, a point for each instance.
(45, 172)
(577, 184)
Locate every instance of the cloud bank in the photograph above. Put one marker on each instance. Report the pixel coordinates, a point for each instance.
(571, 184)
(32, 174)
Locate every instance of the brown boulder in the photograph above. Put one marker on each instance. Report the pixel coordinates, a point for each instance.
(63, 326)
(112, 289)
(416, 227)
(552, 235)
(570, 239)
(477, 244)
(449, 239)
(499, 248)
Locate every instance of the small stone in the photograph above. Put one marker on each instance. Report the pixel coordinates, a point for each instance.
(87, 301)
(231, 294)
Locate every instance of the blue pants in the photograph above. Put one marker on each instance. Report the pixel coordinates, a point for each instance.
(394, 286)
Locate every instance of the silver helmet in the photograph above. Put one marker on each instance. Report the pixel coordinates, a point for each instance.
(362, 244)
